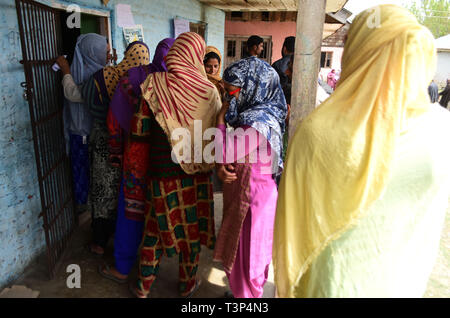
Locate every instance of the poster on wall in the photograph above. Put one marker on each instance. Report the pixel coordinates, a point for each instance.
(124, 16)
(134, 33)
(180, 26)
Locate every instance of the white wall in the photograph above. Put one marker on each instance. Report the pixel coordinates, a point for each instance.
(335, 62)
(443, 69)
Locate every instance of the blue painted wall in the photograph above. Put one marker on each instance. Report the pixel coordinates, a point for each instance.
(156, 18)
(21, 233)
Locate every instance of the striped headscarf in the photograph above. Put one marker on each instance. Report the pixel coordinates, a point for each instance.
(183, 94)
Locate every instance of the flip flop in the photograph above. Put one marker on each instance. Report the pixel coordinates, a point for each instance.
(89, 249)
(197, 285)
(133, 291)
(110, 276)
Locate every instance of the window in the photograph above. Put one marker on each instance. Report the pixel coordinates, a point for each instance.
(231, 49)
(265, 16)
(198, 28)
(264, 53)
(325, 59)
(236, 49)
(244, 50)
(237, 15)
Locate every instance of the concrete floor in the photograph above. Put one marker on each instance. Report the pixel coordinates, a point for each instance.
(214, 281)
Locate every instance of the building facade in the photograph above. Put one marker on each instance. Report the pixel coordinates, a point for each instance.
(274, 27)
(21, 227)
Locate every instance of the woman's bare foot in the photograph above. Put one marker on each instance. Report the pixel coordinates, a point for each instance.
(189, 293)
(137, 292)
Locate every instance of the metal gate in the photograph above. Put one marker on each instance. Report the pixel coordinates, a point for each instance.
(40, 40)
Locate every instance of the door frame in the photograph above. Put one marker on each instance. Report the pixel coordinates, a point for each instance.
(100, 13)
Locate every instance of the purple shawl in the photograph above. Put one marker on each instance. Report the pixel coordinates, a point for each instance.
(120, 105)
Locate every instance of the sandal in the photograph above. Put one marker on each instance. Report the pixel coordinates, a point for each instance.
(90, 250)
(135, 292)
(194, 289)
(109, 275)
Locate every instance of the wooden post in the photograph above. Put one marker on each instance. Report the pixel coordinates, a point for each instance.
(308, 42)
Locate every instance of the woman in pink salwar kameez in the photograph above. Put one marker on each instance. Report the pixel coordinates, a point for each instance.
(249, 161)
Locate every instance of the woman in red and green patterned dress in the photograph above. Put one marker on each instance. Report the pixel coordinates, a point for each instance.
(180, 206)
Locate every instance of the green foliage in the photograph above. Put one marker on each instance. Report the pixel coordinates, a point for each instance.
(434, 14)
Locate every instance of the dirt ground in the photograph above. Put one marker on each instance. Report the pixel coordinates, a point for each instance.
(214, 281)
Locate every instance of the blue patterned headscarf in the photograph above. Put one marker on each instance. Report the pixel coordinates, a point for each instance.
(261, 103)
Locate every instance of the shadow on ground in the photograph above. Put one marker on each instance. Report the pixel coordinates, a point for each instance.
(214, 281)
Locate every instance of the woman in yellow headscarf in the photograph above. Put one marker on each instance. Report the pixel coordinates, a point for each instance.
(213, 66)
(363, 197)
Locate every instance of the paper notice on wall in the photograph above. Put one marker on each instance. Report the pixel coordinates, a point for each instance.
(135, 33)
(124, 15)
(180, 26)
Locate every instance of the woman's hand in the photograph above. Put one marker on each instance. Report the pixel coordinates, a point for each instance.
(226, 173)
(63, 64)
(222, 113)
(114, 57)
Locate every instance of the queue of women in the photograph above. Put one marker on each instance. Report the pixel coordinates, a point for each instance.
(364, 187)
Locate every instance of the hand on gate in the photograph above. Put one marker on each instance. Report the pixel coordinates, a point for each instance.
(63, 64)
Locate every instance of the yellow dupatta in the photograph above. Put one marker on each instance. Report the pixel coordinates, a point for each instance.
(215, 78)
(339, 160)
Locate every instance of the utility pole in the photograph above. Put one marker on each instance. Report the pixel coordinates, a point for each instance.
(308, 43)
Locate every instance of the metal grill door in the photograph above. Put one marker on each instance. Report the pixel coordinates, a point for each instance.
(40, 40)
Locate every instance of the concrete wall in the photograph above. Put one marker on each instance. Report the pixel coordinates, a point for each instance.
(443, 69)
(21, 234)
(156, 18)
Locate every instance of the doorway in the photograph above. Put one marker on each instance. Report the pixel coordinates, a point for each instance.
(89, 23)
